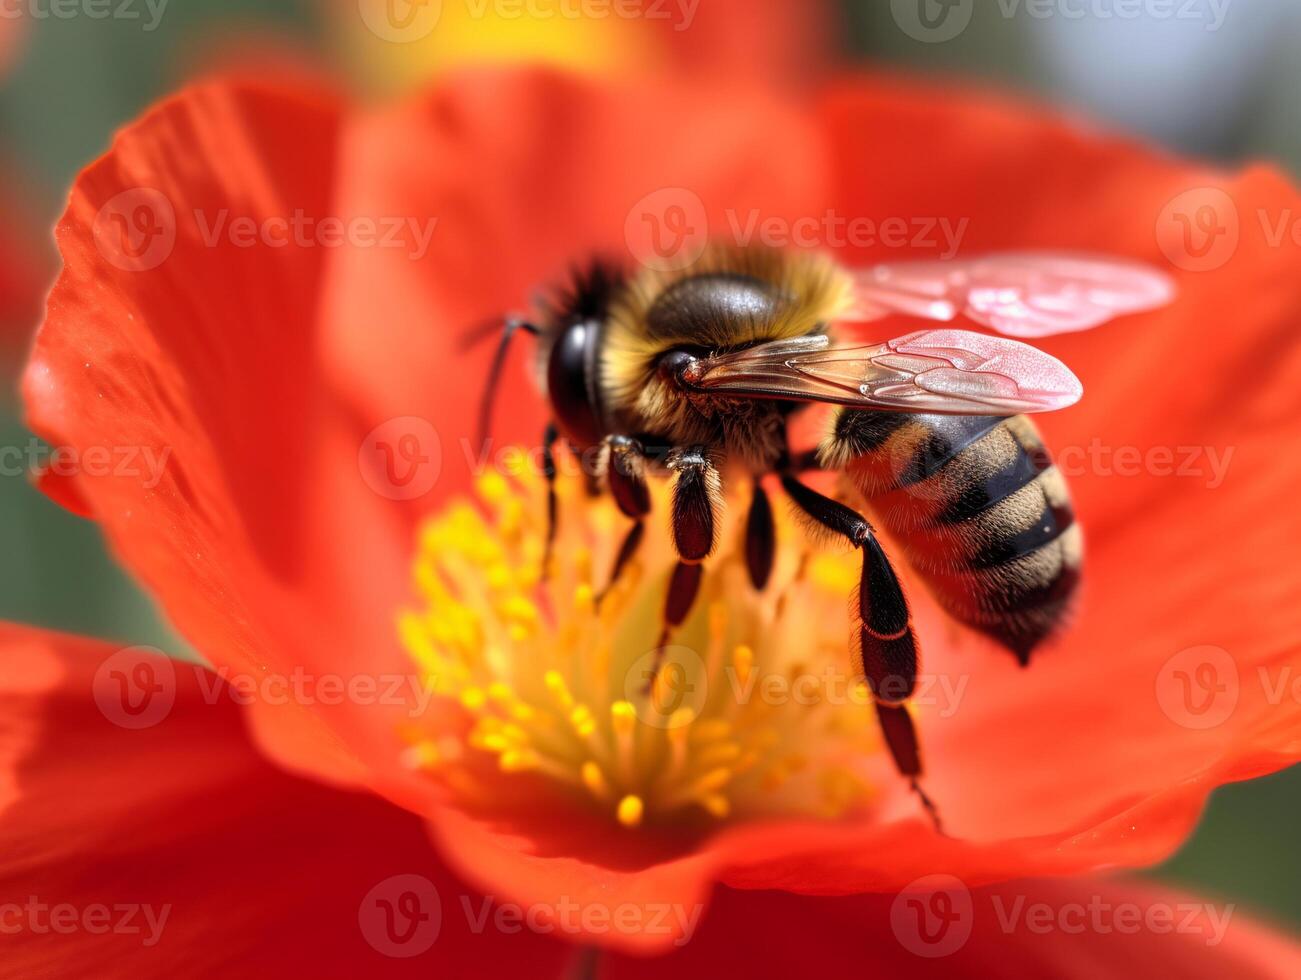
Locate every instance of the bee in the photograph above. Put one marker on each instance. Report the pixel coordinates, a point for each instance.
(696, 373)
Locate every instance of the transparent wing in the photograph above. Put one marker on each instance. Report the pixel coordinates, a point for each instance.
(954, 372)
(1021, 294)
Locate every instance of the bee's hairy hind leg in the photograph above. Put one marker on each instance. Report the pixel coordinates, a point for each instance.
(626, 477)
(886, 645)
(760, 538)
(697, 502)
(901, 737)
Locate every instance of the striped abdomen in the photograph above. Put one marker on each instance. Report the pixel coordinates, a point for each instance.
(979, 509)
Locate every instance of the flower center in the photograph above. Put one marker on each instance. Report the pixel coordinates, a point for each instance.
(750, 712)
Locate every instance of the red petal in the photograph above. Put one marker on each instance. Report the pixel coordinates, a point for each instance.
(1080, 928)
(115, 796)
(227, 476)
(527, 172)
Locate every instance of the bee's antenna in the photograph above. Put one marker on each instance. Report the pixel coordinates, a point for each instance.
(508, 329)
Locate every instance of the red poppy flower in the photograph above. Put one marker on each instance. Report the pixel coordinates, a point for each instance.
(207, 321)
(190, 855)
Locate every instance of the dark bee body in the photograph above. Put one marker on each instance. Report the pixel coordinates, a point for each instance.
(978, 509)
(973, 500)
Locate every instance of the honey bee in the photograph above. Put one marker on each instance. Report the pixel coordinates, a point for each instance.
(696, 374)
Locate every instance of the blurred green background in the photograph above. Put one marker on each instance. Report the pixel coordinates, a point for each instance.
(1225, 90)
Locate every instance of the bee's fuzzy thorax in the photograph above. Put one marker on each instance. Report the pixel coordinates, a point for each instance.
(805, 293)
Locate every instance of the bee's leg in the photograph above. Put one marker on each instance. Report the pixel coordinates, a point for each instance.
(626, 475)
(803, 462)
(760, 538)
(886, 645)
(697, 500)
(550, 436)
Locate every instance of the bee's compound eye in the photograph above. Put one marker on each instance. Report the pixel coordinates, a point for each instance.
(679, 367)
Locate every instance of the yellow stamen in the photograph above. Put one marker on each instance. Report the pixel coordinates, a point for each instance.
(630, 811)
(533, 681)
